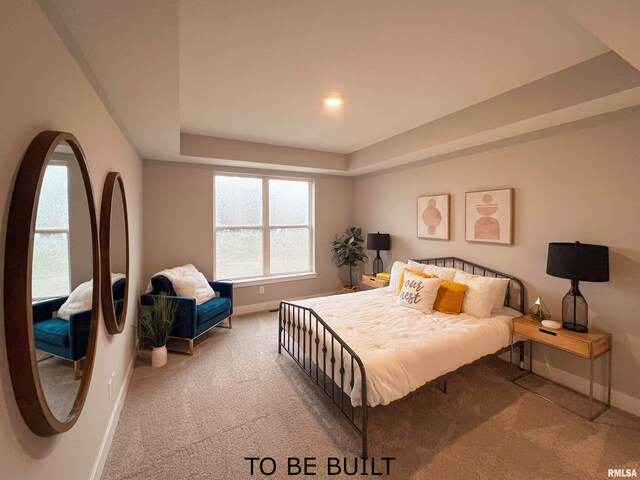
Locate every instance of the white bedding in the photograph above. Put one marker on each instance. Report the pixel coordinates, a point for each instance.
(401, 348)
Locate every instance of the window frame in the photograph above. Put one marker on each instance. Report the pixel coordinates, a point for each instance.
(267, 277)
(55, 231)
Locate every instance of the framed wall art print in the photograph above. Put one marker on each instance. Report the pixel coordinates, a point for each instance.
(433, 217)
(489, 216)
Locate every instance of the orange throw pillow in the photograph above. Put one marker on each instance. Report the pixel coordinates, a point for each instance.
(450, 297)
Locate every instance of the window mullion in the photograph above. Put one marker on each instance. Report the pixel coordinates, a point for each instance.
(215, 231)
(266, 232)
(312, 222)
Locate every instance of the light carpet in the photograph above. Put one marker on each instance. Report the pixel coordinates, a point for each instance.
(199, 417)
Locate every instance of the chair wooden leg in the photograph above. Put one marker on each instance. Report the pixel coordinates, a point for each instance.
(190, 346)
(77, 371)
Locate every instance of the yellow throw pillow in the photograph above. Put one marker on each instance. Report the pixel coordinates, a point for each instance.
(420, 274)
(450, 297)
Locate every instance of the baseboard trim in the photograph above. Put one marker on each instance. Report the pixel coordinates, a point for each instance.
(273, 304)
(105, 446)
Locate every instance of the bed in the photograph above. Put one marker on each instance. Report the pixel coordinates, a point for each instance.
(365, 346)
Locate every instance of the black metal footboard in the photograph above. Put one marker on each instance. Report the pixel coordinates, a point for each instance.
(320, 352)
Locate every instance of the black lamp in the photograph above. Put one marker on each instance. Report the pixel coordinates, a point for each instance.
(577, 261)
(378, 241)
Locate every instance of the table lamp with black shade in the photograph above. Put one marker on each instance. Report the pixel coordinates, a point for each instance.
(378, 241)
(577, 262)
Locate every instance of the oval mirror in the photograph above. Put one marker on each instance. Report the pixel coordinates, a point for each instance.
(114, 253)
(50, 290)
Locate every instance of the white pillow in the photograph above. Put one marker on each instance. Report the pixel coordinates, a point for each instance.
(484, 294)
(498, 285)
(396, 271)
(501, 286)
(418, 292)
(194, 285)
(79, 301)
(445, 273)
(415, 266)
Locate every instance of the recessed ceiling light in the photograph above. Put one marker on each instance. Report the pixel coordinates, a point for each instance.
(333, 100)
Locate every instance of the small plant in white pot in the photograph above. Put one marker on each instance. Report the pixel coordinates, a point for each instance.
(155, 323)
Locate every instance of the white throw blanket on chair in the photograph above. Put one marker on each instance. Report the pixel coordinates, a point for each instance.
(81, 297)
(188, 281)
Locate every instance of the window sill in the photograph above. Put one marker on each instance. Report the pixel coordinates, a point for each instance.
(252, 282)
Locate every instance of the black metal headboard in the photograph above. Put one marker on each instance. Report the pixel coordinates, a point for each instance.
(515, 291)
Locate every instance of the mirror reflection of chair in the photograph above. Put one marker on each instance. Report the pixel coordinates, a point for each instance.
(67, 339)
(194, 320)
(119, 290)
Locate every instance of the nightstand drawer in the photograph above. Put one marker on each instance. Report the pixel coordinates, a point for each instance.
(552, 337)
(374, 282)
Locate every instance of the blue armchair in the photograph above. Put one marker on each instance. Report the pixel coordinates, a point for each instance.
(67, 339)
(194, 320)
(119, 290)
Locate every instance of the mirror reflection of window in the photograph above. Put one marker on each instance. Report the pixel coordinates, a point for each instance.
(51, 273)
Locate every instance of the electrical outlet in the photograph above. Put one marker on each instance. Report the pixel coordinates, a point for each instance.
(261, 290)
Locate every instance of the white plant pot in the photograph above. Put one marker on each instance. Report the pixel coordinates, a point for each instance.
(159, 356)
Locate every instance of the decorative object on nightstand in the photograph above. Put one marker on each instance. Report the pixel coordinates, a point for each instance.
(383, 276)
(577, 261)
(589, 346)
(378, 241)
(552, 324)
(539, 310)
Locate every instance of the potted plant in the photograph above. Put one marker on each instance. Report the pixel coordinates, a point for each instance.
(348, 250)
(155, 323)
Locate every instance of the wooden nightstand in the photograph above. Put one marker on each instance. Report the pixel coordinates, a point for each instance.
(372, 281)
(590, 346)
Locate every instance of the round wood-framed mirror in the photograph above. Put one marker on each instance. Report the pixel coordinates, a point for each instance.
(51, 277)
(114, 253)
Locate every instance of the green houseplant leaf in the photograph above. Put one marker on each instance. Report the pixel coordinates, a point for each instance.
(156, 321)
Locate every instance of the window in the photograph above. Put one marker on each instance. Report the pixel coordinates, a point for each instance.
(263, 226)
(50, 275)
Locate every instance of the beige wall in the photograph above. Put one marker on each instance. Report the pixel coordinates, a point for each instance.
(178, 226)
(43, 88)
(577, 182)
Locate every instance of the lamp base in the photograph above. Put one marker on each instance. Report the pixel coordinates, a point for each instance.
(575, 327)
(377, 264)
(575, 310)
